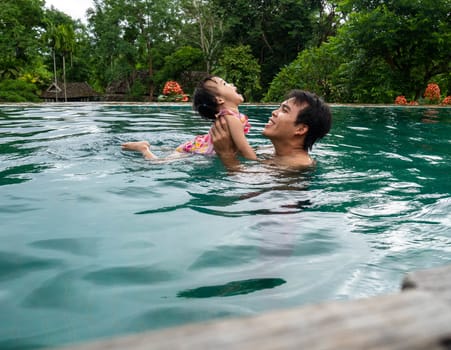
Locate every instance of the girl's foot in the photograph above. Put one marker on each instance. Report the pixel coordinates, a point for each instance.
(139, 146)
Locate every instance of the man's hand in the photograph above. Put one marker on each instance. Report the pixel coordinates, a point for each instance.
(221, 138)
(223, 144)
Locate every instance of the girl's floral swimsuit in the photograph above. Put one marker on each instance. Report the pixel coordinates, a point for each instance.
(202, 143)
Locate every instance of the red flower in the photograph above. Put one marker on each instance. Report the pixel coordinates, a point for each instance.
(446, 100)
(400, 100)
(432, 93)
(172, 88)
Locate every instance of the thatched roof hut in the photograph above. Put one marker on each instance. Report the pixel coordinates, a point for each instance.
(74, 92)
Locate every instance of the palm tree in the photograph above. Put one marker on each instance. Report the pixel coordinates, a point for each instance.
(65, 43)
(51, 36)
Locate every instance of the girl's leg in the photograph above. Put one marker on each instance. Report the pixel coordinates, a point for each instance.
(139, 146)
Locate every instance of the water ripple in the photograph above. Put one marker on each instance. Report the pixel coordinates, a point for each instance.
(14, 265)
(129, 275)
(99, 242)
(76, 246)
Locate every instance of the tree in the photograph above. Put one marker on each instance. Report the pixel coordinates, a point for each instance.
(18, 90)
(180, 66)
(408, 38)
(314, 70)
(64, 43)
(62, 31)
(238, 66)
(21, 24)
(326, 22)
(125, 34)
(50, 36)
(61, 39)
(276, 30)
(81, 57)
(204, 28)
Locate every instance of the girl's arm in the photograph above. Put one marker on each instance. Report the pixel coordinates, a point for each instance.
(239, 138)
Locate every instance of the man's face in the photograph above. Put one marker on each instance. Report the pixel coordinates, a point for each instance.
(281, 124)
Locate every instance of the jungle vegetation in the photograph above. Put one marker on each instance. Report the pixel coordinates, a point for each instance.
(348, 51)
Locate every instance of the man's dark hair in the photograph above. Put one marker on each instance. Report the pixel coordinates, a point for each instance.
(316, 115)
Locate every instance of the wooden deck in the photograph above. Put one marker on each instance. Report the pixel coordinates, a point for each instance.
(419, 317)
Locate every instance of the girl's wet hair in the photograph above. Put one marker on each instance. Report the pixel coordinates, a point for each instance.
(204, 99)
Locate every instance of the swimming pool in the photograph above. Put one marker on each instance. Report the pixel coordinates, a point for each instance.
(98, 242)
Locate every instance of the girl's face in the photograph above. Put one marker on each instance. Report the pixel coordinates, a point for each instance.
(226, 92)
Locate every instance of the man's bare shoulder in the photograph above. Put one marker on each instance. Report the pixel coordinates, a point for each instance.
(295, 163)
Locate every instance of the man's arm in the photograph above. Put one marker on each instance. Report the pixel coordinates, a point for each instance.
(223, 144)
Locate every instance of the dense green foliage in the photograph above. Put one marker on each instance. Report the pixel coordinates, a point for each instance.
(383, 49)
(21, 22)
(314, 69)
(275, 30)
(408, 39)
(237, 65)
(184, 59)
(18, 91)
(344, 50)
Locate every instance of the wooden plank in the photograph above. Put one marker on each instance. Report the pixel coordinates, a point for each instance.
(410, 320)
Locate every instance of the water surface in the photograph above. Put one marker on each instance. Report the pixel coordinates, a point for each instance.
(99, 242)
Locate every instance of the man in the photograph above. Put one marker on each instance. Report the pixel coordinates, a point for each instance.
(293, 128)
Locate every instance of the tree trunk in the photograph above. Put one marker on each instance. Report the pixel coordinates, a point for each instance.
(152, 86)
(54, 76)
(64, 77)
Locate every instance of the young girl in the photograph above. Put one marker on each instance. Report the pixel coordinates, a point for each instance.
(212, 98)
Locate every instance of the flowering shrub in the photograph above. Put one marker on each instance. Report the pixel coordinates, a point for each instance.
(446, 100)
(400, 100)
(432, 93)
(172, 91)
(172, 88)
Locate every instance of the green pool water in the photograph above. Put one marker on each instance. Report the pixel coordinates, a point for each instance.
(97, 242)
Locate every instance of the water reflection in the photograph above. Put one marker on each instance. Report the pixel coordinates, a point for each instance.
(258, 190)
(430, 116)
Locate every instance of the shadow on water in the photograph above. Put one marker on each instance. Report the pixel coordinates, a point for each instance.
(232, 288)
(19, 174)
(14, 265)
(294, 208)
(15, 344)
(76, 246)
(129, 275)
